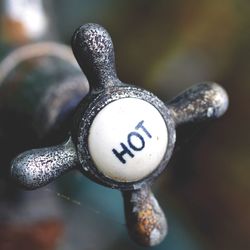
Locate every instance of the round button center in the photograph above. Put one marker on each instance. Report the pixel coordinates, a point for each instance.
(128, 139)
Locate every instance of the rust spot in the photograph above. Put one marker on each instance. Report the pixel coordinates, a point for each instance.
(146, 220)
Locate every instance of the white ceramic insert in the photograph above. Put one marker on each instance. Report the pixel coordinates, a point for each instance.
(128, 139)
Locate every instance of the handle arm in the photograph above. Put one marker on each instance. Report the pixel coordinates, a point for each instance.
(203, 101)
(37, 167)
(145, 219)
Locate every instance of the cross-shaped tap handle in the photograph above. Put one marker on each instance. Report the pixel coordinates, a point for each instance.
(122, 136)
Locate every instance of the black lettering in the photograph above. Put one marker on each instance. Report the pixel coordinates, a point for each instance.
(120, 155)
(131, 145)
(139, 125)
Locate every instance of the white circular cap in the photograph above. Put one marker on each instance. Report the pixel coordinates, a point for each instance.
(128, 139)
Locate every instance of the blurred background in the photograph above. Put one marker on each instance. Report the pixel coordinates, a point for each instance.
(164, 46)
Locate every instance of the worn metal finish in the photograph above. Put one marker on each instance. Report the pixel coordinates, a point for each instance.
(94, 52)
(86, 118)
(145, 219)
(201, 102)
(38, 167)
(93, 49)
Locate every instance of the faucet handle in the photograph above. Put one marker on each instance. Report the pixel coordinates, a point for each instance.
(123, 136)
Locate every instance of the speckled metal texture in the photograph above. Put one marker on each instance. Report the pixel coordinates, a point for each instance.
(86, 117)
(201, 102)
(38, 167)
(93, 49)
(94, 52)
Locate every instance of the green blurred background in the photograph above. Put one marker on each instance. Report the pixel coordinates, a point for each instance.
(167, 46)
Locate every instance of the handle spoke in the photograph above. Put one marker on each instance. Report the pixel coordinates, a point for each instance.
(38, 167)
(203, 101)
(93, 49)
(145, 219)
